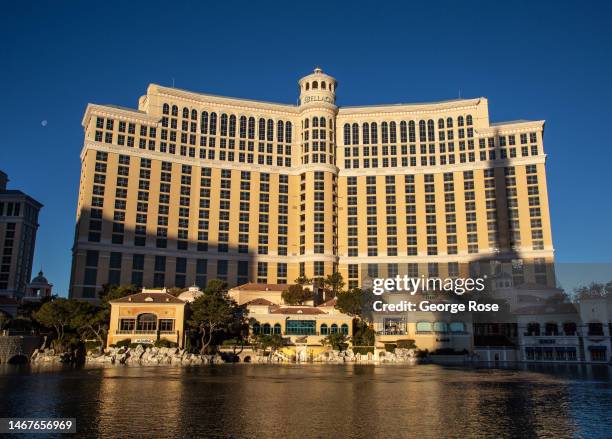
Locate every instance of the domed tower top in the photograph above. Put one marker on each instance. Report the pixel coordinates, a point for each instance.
(318, 89)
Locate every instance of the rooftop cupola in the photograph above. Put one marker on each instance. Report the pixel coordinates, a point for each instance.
(318, 89)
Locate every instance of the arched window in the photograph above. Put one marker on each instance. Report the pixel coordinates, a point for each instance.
(270, 131)
(460, 121)
(430, 130)
(551, 328)
(569, 328)
(347, 134)
(423, 327)
(440, 327)
(262, 129)
(449, 122)
(469, 120)
(232, 126)
(213, 123)
(146, 322)
(322, 122)
(280, 131)
(392, 132)
(315, 122)
(243, 126)
(204, 123)
(306, 123)
(384, 128)
(194, 114)
(533, 328)
(595, 328)
(174, 110)
(266, 329)
(324, 330)
(288, 132)
(412, 131)
(185, 112)
(440, 124)
(355, 134)
(333, 329)
(374, 133)
(323, 85)
(457, 327)
(307, 86)
(403, 131)
(315, 85)
(365, 130)
(277, 328)
(166, 109)
(256, 328)
(251, 127)
(223, 124)
(344, 329)
(422, 131)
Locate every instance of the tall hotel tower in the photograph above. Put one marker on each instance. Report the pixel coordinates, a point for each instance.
(191, 187)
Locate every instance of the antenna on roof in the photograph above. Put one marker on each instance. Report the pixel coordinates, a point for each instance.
(459, 93)
(172, 82)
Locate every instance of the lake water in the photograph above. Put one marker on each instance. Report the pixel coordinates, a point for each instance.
(322, 401)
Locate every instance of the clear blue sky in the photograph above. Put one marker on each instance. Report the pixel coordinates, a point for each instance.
(533, 60)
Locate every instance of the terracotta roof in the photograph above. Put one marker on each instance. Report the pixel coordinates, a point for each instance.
(555, 308)
(4, 300)
(149, 297)
(308, 310)
(259, 301)
(330, 302)
(262, 287)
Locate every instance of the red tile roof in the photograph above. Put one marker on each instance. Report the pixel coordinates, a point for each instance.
(330, 302)
(259, 301)
(308, 310)
(149, 297)
(4, 300)
(556, 308)
(262, 287)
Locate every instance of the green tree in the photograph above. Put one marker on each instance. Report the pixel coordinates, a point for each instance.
(296, 295)
(593, 290)
(303, 280)
(91, 321)
(333, 284)
(57, 314)
(273, 342)
(337, 341)
(5, 319)
(363, 334)
(216, 286)
(356, 302)
(210, 313)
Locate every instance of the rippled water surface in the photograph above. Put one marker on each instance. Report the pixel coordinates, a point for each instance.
(259, 401)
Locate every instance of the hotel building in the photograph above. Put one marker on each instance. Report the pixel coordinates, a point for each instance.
(189, 187)
(18, 226)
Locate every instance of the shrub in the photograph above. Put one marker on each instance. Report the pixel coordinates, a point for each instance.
(363, 350)
(92, 346)
(162, 343)
(406, 344)
(390, 347)
(124, 343)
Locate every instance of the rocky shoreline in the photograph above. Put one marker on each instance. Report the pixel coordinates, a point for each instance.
(152, 356)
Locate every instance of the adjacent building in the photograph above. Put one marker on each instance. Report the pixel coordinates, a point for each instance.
(18, 226)
(189, 187)
(146, 317)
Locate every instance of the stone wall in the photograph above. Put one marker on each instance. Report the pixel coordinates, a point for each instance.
(14, 346)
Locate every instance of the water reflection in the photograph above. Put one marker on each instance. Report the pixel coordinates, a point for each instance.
(316, 401)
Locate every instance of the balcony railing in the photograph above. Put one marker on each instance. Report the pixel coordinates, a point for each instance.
(142, 331)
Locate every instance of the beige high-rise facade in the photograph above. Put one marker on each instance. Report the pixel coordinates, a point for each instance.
(191, 187)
